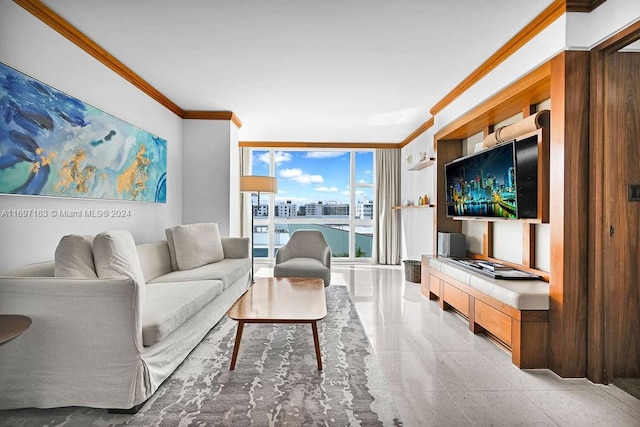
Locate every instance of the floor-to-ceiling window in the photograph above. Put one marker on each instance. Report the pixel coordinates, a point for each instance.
(328, 190)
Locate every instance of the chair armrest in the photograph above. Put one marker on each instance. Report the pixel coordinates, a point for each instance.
(283, 254)
(326, 257)
(235, 247)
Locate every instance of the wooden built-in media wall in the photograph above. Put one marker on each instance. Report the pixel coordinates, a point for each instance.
(564, 162)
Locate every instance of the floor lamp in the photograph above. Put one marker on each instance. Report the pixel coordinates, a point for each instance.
(257, 184)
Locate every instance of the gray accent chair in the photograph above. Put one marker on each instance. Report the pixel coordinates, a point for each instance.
(306, 254)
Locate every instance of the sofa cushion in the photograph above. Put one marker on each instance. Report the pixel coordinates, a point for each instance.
(116, 257)
(227, 270)
(197, 245)
(169, 305)
(520, 294)
(154, 259)
(172, 248)
(74, 257)
(303, 267)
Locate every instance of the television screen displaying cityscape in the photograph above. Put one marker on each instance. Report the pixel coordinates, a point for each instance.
(483, 184)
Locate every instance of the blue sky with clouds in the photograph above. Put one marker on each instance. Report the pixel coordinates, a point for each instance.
(311, 176)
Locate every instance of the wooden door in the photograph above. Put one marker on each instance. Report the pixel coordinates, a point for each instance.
(621, 253)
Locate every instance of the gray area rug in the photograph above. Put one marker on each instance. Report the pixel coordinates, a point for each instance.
(276, 381)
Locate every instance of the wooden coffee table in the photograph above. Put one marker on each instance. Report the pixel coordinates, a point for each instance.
(280, 300)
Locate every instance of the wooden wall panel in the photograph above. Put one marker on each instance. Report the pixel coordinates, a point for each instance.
(448, 150)
(621, 159)
(599, 236)
(569, 213)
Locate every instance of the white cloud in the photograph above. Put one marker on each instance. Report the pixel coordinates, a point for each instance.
(300, 177)
(362, 181)
(327, 189)
(264, 157)
(281, 157)
(324, 154)
(290, 173)
(368, 172)
(346, 193)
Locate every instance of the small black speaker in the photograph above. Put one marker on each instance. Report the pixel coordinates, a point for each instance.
(526, 154)
(452, 245)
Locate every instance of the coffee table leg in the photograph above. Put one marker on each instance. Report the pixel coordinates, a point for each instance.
(236, 345)
(316, 341)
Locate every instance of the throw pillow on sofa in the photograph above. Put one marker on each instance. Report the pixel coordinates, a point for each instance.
(196, 245)
(74, 257)
(116, 257)
(172, 248)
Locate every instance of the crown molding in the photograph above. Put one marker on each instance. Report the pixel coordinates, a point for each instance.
(75, 36)
(212, 115)
(531, 89)
(535, 27)
(585, 6)
(64, 28)
(316, 144)
(416, 133)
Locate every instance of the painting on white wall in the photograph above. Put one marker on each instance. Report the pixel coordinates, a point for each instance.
(52, 144)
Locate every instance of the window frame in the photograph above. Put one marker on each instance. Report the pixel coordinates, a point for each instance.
(271, 221)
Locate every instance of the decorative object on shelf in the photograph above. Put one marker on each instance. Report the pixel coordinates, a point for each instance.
(409, 158)
(57, 145)
(423, 156)
(408, 203)
(524, 126)
(257, 184)
(420, 201)
(424, 200)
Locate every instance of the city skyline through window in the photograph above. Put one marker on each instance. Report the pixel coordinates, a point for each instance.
(331, 190)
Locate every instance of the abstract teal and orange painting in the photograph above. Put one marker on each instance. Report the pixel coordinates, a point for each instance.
(52, 144)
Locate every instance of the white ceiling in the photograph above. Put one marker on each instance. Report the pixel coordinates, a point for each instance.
(304, 70)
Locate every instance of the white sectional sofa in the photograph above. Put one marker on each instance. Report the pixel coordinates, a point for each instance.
(110, 343)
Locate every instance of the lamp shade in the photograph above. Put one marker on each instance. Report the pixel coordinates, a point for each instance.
(258, 184)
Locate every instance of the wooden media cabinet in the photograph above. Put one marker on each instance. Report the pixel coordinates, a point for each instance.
(515, 313)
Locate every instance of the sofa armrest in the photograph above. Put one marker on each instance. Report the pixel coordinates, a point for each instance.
(236, 247)
(85, 334)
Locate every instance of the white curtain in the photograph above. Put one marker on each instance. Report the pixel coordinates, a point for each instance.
(388, 195)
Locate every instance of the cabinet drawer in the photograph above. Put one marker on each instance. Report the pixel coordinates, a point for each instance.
(434, 285)
(456, 298)
(424, 284)
(494, 321)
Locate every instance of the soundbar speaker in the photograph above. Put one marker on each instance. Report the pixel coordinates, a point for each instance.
(452, 245)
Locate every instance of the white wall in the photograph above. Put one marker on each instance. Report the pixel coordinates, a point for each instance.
(235, 223)
(570, 31)
(33, 48)
(544, 46)
(206, 189)
(586, 30)
(417, 224)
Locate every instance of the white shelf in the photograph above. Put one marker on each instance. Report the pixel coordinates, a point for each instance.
(423, 164)
(413, 207)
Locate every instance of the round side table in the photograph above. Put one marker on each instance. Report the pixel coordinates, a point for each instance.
(12, 325)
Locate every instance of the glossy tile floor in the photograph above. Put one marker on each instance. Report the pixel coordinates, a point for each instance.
(442, 374)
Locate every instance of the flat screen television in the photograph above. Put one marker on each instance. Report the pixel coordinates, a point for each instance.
(499, 182)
